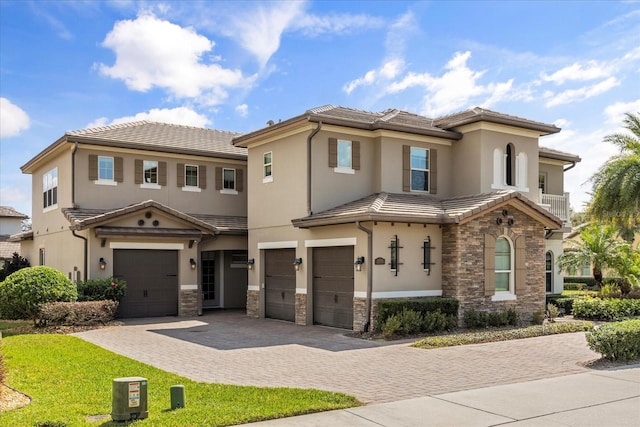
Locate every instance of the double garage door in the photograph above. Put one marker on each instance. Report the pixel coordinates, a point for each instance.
(152, 282)
(332, 270)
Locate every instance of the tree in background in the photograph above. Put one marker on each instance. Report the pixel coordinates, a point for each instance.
(616, 186)
(17, 263)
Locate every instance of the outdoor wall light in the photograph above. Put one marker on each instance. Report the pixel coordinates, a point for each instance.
(359, 262)
(102, 263)
(250, 263)
(192, 262)
(297, 263)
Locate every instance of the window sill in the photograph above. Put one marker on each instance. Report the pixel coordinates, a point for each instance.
(150, 186)
(106, 182)
(503, 296)
(190, 189)
(267, 179)
(227, 191)
(50, 208)
(348, 171)
(509, 187)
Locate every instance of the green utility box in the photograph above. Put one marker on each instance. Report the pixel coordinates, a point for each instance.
(177, 396)
(129, 399)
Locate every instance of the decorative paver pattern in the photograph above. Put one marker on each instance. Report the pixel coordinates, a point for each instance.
(230, 348)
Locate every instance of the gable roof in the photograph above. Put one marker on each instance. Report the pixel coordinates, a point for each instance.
(483, 115)
(551, 153)
(424, 209)
(9, 212)
(81, 219)
(153, 136)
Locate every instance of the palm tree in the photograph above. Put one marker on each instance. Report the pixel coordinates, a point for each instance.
(597, 246)
(616, 186)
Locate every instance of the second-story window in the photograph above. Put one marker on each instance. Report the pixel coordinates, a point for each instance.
(150, 172)
(267, 163)
(50, 188)
(228, 179)
(419, 169)
(191, 176)
(344, 155)
(105, 168)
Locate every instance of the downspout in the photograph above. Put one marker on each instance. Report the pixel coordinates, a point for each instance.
(367, 310)
(573, 165)
(309, 138)
(86, 253)
(73, 175)
(199, 278)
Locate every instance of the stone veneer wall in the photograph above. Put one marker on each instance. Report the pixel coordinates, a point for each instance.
(301, 309)
(188, 303)
(253, 303)
(463, 263)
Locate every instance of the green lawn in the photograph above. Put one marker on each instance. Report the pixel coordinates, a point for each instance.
(7, 325)
(70, 379)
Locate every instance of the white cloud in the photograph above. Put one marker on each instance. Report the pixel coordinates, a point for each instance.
(387, 71)
(154, 53)
(179, 116)
(615, 112)
(574, 95)
(590, 71)
(242, 110)
(13, 119)
(337, 24)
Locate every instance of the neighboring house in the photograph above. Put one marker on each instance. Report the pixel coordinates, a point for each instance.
(349, 207)
(162, 206)
(10, 223)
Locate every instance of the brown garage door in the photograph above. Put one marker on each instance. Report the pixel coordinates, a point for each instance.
(152, 282)
(280, 284)
(333, 286)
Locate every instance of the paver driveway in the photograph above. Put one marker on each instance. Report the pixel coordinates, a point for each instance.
(228, 347)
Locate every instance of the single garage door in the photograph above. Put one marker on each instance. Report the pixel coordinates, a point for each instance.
(280, 284)
(152, 282)
(333, 286)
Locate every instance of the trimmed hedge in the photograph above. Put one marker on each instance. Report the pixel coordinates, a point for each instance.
(475, 319)
(616, 341)
(609, 309)
(102, 289)
(586, 280)
(388, 308)
(78, 313)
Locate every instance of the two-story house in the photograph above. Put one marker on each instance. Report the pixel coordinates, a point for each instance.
(349, 207)
(162, 206)
(10, 223)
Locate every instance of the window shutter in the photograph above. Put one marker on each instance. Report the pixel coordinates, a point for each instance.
(162, 173)
(489, 265)
(138, 171)
(520, 264)
(333, 152)
(355, 155)
(202, 176)
(180, 175)
(239, 180)
(118, 169)
(406, 168)
(218, 178)
(433, 171)
(93, 167)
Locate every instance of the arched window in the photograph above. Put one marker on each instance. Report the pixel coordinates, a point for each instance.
(510, 164)
(503, 265)
(548, 267)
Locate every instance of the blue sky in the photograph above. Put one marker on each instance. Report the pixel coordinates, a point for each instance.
(67, 65)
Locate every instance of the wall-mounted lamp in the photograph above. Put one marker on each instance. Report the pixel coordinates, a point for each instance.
(102, 263)
(192, 262)
(358, 263)
(297, 263)
(250, 263)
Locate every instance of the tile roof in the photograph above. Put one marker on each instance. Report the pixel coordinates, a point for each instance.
(7, 249)
(481, 114)
(9, 212)
(19, 237)
(416, 208)
(551, 153)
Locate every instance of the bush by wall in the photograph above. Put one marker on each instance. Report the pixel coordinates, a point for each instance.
(609, 309)
(446, 306)
(570, 286)
(616, 341)
(410, 322)
(102, 289)
(78, 313)
(475, 319)
(588, 281)
(24, 292)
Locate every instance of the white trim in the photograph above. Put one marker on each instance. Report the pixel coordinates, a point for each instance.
(267, 179)
(191, 189)
(188, 287)
(286, 244)
(150, 185)
(509, 187)
(399, 294)
(146, 245)
(503, 296)
(301, 291)
(349, 171)
(229, 191)
(324, 243)
(253, 288)
(50, 208)
(105, 182)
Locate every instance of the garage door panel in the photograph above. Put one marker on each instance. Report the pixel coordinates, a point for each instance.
(280, 284)
(333, 286)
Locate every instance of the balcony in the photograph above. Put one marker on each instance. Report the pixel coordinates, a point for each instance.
(557, 205)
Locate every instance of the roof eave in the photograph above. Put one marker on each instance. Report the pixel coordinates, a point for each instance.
(540, 127)
(245, 139)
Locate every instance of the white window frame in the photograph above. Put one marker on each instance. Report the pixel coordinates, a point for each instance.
(344, 168)
(267, 176)
(427, 170)
(106, 181)
(50, 183)
(509, 294)
(192, 188)
(233, 190)
(152, 185)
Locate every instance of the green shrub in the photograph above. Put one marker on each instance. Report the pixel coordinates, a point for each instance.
(610, 290)
(575, 286)
(78, 313)
(101, 289)
(391, 326)
(616, 341)
(609, 309)
(589, 282)
(25, 291)
(446, 306)
(475, 319)
(552, 312)
(435, 321)
(17, 263)
(410, 321)
(538, 317)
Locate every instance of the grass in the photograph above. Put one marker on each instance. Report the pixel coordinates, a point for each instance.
(70, 380)
(493, 335)
(6, 326)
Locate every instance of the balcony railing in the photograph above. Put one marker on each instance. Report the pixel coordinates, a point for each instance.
(557, 205)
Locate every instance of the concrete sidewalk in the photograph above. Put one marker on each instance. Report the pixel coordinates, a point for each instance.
(597, 398)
